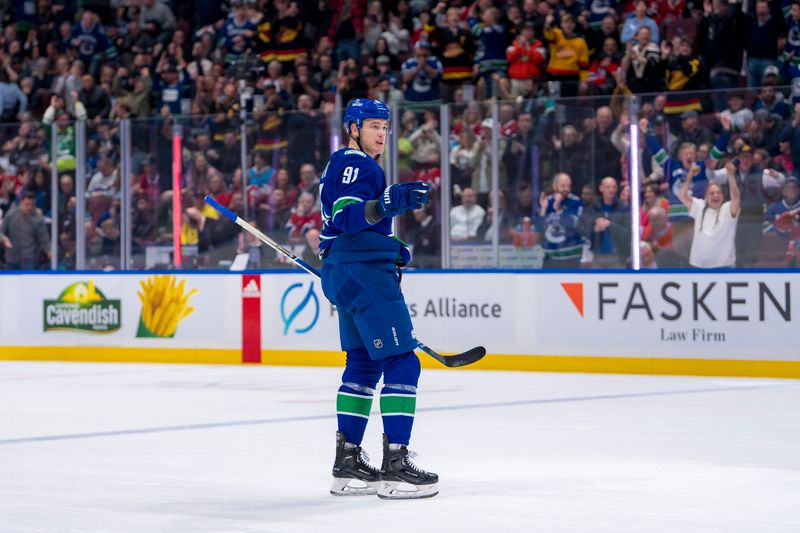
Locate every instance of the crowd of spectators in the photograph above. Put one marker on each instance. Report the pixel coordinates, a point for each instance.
(271, 70)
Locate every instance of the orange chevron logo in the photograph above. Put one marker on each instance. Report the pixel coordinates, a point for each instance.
(575, 293)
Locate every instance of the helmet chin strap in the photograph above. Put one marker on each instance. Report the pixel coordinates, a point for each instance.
(358, 142)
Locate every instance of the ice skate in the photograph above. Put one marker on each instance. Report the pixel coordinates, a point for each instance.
(401, 478)
(352, 473)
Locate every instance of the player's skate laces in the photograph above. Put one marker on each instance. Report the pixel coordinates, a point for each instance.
(352, 473)
(401, 478)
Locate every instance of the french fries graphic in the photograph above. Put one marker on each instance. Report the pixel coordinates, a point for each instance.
(164, 305)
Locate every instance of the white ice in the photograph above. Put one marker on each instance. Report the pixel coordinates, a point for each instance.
(141, 448)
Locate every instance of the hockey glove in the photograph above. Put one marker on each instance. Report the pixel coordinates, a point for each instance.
(402, 197)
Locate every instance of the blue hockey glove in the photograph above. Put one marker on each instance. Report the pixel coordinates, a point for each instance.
(402, 197)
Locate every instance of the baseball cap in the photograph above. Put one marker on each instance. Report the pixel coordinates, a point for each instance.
(422, 44)
(689, 114)
(383, 60)
(771, 70)
(487, 123)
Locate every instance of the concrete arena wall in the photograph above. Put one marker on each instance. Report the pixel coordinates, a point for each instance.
(727, 324)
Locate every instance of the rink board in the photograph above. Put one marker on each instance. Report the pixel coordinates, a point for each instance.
(727, 324)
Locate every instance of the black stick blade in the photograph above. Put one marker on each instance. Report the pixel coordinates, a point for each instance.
(472, 355)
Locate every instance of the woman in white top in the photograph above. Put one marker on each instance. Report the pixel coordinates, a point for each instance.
(713, 245)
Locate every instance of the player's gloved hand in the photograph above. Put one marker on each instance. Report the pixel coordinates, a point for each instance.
(402, 197)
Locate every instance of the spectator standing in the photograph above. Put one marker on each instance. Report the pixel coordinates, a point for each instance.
(157, 19)
(13, 101)
(305, 134)
(569, 55)
(605, 155)
(790, 56)
(762, 40)
(421, 75)
(94, 99)
(170, 87)
(427, 237)
(720, 41)
(309, 181)
(750, 183)
(482, 160)
(526, 58)
(603, 68)
(607, 226)
(90, 42)
(522, 157)
(636, 21)
(714, 221)
(490, 59)
(643, 64)
(457, 51)
(24, 235)
(237, 33)
(427, 145)
(676, 170)
(558, 222)
(683, 76)
(65, 133)
(465, 219)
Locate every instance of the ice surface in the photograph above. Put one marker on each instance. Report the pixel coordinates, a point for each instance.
(140, 448)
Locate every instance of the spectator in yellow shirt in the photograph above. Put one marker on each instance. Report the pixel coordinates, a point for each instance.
(569, 55)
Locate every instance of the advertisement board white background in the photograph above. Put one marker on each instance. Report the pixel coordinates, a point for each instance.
(533, 314)
(693, 315)
(215, 323)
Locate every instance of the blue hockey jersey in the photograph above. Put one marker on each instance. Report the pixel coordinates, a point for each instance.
(350, 179)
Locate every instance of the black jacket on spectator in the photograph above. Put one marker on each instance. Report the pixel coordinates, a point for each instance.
(524, 165)
(719, 38)
(619, 230)
(762, 41)
(97, 102)
(604, 155)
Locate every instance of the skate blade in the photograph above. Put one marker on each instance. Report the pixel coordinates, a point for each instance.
(353, 487)
(397, 490)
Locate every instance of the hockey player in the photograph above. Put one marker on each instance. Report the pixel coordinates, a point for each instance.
(361, 276)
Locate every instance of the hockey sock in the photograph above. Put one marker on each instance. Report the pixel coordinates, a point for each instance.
(354, 401)
(352, 411)
(399, 396)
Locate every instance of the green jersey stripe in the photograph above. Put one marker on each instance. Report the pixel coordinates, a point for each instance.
(353, 405)
(398, 404)
(343, 202)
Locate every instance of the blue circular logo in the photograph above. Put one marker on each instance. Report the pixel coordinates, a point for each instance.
(288, 320)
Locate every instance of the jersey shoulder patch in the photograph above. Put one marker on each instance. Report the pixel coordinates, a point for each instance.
(354, 152)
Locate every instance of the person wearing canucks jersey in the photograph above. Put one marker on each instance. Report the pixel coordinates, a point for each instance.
(360, 275)
(676, 170)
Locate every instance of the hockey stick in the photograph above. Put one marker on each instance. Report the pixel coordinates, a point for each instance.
(460, 359)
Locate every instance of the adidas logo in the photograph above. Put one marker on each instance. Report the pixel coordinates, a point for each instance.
(251, 290)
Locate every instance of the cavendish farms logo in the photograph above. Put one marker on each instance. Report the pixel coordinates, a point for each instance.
(165, 303)
(289, 318)
(82, 307)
